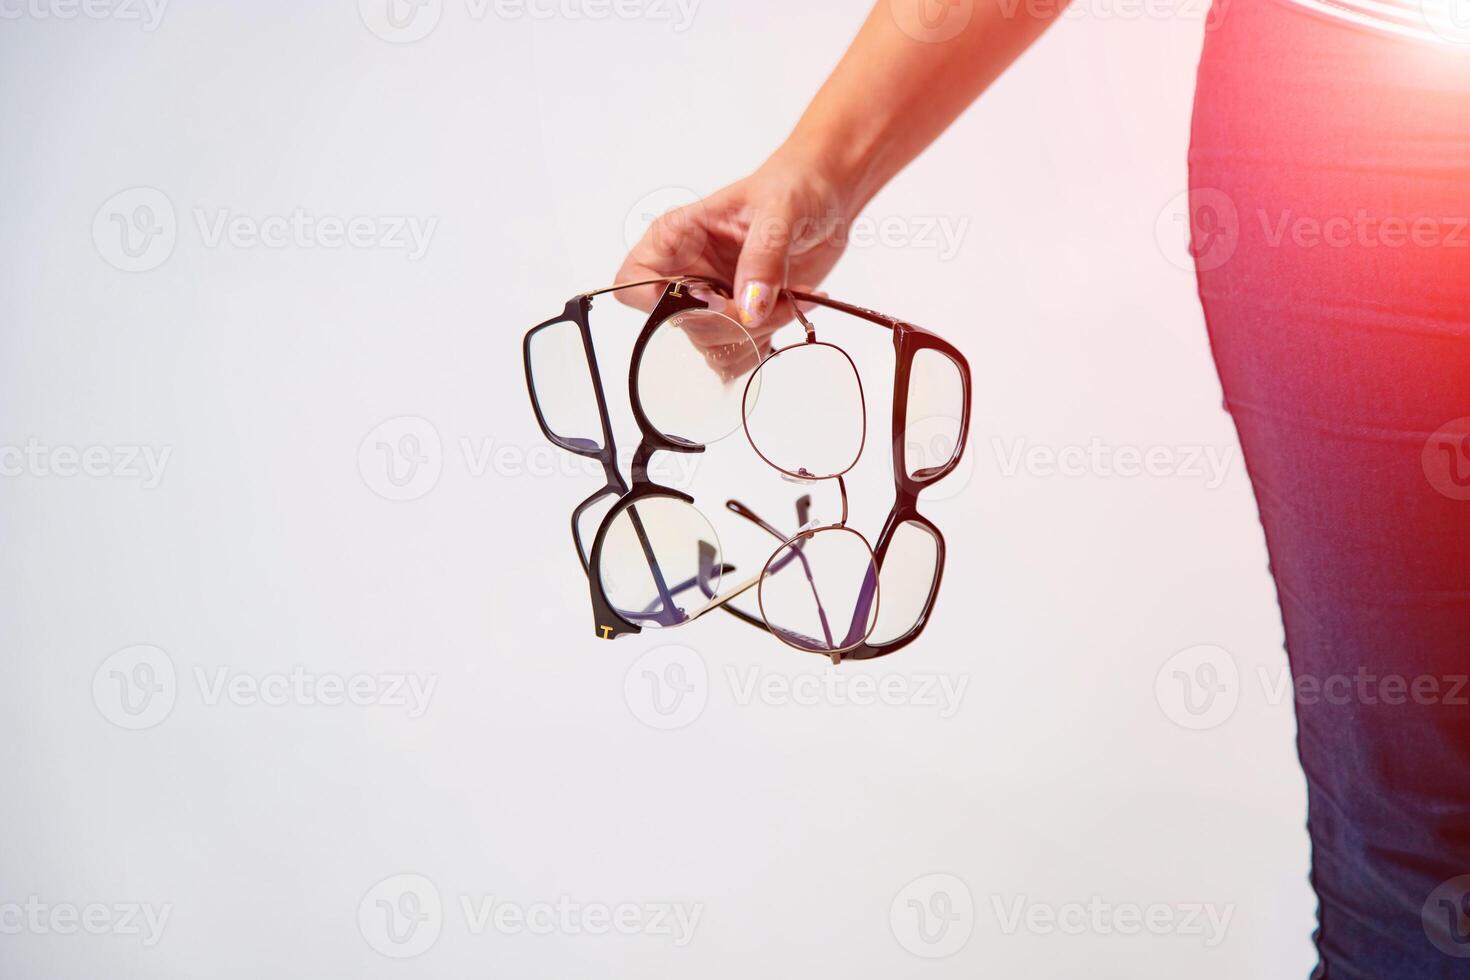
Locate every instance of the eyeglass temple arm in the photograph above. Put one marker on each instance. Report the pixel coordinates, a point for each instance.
(665, 595)
(872, 316)
(702, 579)
(803, 509)
(707, 558)
(662, 280)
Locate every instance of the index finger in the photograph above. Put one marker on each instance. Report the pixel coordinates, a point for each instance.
(674, 245)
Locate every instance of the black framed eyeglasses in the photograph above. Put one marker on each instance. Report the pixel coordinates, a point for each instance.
(651, 557)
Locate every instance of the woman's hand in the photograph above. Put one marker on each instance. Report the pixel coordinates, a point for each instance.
(896, 89)
(785, 224)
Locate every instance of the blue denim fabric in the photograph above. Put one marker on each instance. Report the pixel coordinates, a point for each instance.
(1330, 198)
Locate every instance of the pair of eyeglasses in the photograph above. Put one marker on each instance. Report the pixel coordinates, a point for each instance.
(653, 559)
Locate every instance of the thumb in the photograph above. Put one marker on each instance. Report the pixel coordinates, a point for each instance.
(761, 272)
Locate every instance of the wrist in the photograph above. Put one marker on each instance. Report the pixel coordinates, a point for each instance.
(838, 163)
(843, 156)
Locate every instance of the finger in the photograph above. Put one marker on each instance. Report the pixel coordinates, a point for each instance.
(674, 245)
(806, 306)
(761, 272)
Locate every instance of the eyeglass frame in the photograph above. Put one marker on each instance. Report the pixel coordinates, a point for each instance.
(908, 339)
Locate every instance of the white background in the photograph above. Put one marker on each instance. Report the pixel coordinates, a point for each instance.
(1072, 771)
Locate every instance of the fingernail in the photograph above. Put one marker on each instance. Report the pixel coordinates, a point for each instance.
(713, 300)
(756, 301)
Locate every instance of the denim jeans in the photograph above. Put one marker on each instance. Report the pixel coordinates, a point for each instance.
(1330, 198)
